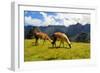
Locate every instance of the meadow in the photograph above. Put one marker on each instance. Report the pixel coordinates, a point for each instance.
(42, 52)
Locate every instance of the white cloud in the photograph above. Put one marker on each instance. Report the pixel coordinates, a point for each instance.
(70, 19)
(63, 19)
(85, 20)
(48, 20)
(30, 21)
(44, 14)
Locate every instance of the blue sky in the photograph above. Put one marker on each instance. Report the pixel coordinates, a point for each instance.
(34, 14)
(37, 18)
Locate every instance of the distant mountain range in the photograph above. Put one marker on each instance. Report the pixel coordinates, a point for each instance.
(71, 30)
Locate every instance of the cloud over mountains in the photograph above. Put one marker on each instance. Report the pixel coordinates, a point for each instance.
(35, 18)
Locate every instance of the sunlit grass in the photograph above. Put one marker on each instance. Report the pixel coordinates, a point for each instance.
(47, 52)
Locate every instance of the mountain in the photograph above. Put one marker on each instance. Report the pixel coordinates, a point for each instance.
(71, 31)
(78, 28)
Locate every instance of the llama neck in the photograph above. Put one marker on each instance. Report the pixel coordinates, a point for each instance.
(66, 38)
(49, 39)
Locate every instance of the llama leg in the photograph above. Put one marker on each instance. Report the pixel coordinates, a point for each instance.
(36, 42)
(53, 44)
(60, 43)
(63, 43)
(43, 42)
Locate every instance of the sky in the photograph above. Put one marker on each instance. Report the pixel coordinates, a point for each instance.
(37, 18)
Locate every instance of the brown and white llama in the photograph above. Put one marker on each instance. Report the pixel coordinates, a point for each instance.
(60, 37)
(41, 35)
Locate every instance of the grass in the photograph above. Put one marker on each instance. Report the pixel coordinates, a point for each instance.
(47, 52)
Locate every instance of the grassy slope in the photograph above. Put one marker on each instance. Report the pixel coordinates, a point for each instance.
(46, 52)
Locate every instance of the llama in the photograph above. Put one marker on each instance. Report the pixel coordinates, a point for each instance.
(61, 37)
(41, 35)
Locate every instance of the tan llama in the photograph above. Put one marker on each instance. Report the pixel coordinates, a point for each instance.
(61, 37)
(41, 35)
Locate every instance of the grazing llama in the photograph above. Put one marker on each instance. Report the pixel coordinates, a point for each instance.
(61, 37)
(41, 35)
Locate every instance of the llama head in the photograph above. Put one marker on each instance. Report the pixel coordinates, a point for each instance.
(70, 45)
